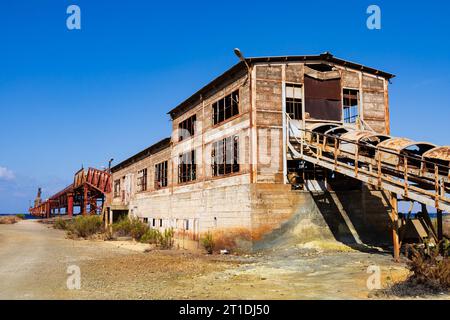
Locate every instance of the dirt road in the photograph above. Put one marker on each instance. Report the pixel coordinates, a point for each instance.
(34, 261)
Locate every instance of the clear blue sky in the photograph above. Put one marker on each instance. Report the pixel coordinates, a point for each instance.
(81, 97)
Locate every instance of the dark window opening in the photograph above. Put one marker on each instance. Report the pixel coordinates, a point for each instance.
(322, 67)
(187, 167)
(154, 222)
(117, 188)
(146, 220)
(142, 180)
(294, 101)
(160, 222)
(226, 107)
(351, 105)
(186, 128)
(161, 175)
(225, 156)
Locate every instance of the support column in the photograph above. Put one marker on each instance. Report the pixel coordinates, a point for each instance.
(394, 219)
(440, 233)
(70, 204)
(93, 206)
(85, 200)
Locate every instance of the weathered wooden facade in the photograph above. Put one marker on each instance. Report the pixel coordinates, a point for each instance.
(225, 168)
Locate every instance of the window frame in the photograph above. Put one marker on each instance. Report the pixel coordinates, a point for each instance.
(299, 103)
(220, 154)
(187, 125)
(141, 181)
(220, 109)
(161, 175)
(350, 107)
(187, 168)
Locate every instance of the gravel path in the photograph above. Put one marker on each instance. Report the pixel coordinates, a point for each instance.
(34, 260)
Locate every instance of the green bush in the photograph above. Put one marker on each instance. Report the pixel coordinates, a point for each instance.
(21, 216)
(166, 239)
(130, 227)
(208, 242)
(60, 224)
(85, 226)
(151, 236)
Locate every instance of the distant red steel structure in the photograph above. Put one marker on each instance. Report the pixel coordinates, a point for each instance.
(89, 191)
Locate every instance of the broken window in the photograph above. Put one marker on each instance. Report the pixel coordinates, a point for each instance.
(187, 167)
(225, 156)
(323, 99)
(142, 180)
(294, 101)
(226, 107)
(322, 67)
(186, 128)
(351, 105)
(161, 175)
(117, 188)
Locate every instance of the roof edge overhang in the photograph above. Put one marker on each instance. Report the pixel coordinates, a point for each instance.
(153, 149)
(240, 67)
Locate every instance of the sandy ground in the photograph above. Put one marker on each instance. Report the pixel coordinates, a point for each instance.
(34, 260)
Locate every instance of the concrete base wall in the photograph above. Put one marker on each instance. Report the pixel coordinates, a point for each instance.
(256, 216)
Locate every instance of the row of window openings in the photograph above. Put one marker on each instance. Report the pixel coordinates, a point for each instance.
(224, 156)
(158, 223)
(228, 107)
(224, 160)
(222, 109)
(294, 103)
(141, 183)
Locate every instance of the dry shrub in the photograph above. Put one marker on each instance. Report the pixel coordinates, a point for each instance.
(166, 239)
(431, 266)
(163, 240)
(85, 226)
(130, 227)
(151, 236)
(9, 220)
(208, 243)
(61, 224)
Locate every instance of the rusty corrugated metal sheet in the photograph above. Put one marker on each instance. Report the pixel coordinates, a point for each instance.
(356, 135)
(440, 153)
(395, 144)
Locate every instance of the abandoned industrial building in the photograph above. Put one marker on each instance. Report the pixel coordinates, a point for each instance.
(282, 143)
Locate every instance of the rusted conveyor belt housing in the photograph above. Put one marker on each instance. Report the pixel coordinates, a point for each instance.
(418, 171)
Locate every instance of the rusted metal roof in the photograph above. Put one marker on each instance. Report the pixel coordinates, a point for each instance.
(356, 135)
(240, 69)
(395, 144)
(315, 126)
(440, 153)
(62, 192)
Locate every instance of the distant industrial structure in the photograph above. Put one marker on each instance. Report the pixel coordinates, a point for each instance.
(277, 142)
